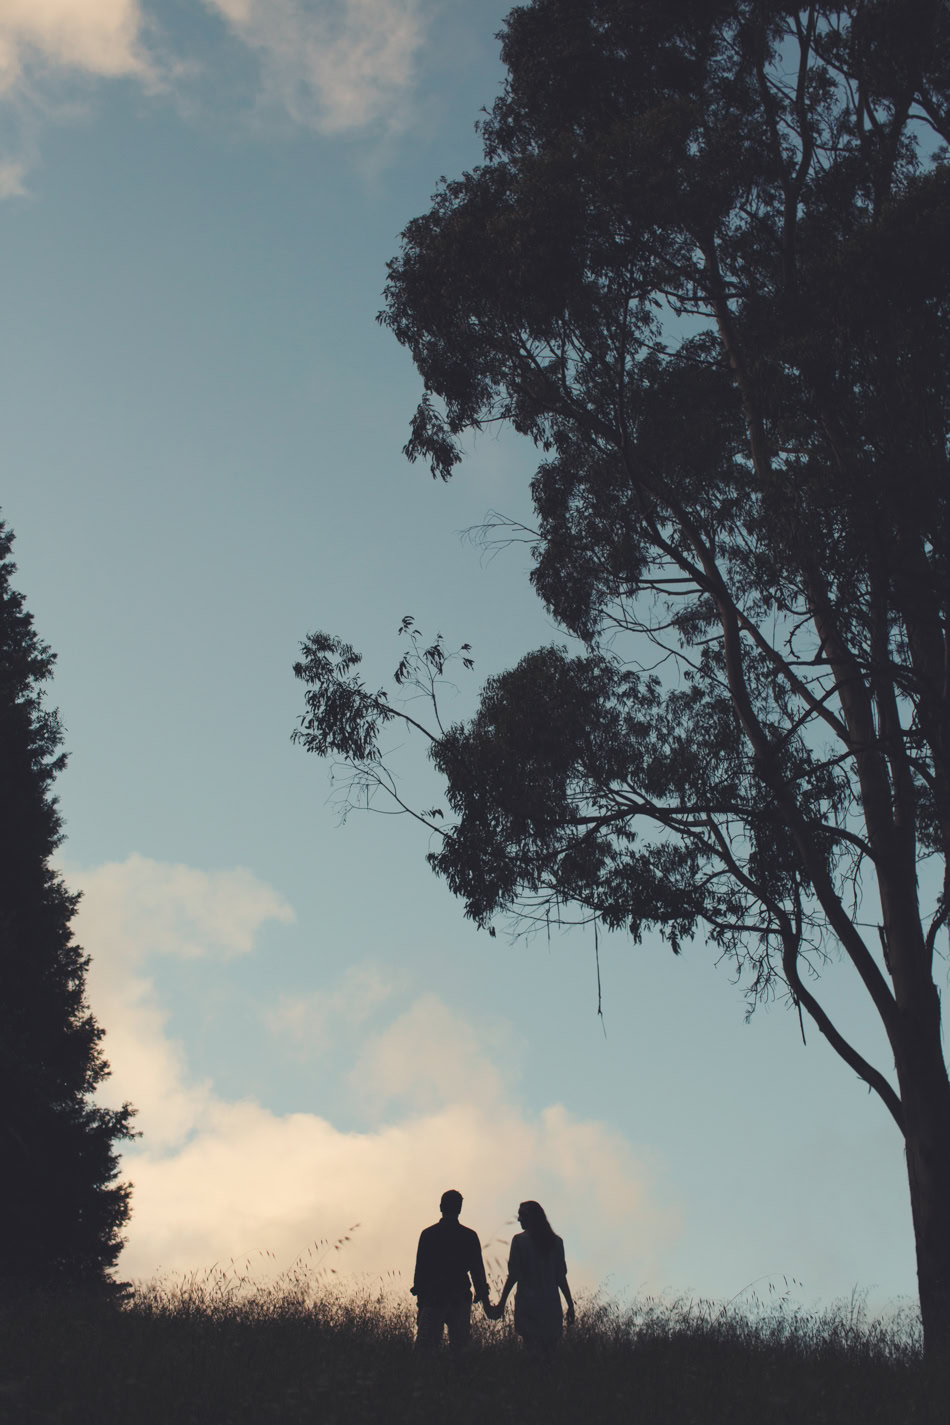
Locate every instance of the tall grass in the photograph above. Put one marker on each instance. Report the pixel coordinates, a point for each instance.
(219, 1348)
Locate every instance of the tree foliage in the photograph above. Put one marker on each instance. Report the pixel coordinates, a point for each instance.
(62, 1210)
(705, 269)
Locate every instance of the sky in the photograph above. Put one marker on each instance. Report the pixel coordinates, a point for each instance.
(203, 427)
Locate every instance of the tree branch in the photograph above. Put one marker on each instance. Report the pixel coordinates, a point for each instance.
(871, 1076)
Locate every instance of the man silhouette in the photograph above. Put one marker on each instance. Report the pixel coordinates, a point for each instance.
(448, 1255)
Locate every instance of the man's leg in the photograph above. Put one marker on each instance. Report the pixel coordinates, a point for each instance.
(429, 1322)
(458, 1318)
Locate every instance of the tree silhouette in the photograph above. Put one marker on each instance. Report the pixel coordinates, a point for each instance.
(61, 1210)
(705, 268)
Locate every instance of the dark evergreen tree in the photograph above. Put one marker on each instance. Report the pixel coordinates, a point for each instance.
(61, 1209)
(705, 267)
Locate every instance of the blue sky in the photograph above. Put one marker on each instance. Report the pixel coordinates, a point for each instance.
(203, 428)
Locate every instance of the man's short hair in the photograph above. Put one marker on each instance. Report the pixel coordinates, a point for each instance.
(451, 1201)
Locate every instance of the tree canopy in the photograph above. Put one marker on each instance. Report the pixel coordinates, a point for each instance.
(61, 1208)
(705, 269)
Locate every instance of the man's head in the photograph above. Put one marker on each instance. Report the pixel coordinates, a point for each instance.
(450, 1203)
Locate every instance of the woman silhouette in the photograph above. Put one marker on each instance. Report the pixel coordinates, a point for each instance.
(536, 1265)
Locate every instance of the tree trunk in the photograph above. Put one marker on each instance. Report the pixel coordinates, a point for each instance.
(925, 1095)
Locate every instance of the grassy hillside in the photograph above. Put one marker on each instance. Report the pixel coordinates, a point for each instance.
(215, 1350)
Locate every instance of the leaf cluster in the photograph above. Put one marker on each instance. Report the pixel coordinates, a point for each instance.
(705, 269)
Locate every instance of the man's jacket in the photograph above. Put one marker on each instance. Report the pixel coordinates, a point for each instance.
(448, 1255)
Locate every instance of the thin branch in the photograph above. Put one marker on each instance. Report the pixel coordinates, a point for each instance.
(871, 1076)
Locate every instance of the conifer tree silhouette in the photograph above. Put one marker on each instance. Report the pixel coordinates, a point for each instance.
(61, 1209)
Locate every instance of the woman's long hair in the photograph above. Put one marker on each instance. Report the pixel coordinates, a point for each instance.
(534, 1221)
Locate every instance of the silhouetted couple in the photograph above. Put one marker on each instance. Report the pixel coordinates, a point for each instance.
(449, 1267)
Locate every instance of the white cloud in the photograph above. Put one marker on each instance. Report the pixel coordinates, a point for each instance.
(98, 37)
(137, 909)
(309, 1024)
(428, 1059)
(12, 174)
(153, 908)
(335, 65)
(48, 45)
(216, 1179)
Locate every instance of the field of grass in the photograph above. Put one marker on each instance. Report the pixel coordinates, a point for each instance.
(216, 1349)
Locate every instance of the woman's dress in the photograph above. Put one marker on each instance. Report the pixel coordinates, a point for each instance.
(537, 1274)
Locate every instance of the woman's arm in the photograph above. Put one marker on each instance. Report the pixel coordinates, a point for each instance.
(562, 1284)
(509, 1283)
(514, 1258)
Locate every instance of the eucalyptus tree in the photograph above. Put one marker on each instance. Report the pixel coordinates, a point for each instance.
(705, 269)
(60, 1205)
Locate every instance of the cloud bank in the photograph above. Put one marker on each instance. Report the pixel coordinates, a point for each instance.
(47, 47)
(216, 1179)
(334, 65)
(102, 38)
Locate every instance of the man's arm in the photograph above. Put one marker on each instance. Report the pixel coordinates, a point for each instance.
(477, 1269)
(420, 1273)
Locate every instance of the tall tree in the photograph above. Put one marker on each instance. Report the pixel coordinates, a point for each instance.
(705, 268)
(61, 1208)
